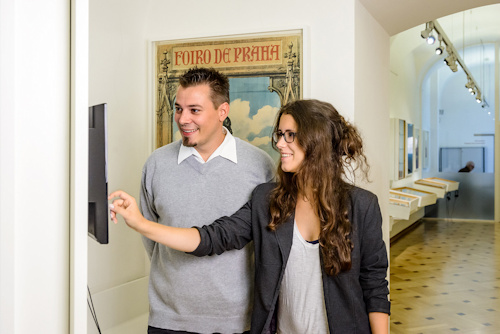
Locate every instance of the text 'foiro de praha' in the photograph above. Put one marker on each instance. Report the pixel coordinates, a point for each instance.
(260, 53)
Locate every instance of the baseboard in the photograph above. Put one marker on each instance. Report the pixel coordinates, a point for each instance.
(132, 326)
(457, 220)
(405, 231)
(119, 305)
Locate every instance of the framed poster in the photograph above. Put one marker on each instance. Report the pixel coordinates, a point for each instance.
(425, 151)
(264, 71)
(416, 141)
(401, 149)
(409, 148)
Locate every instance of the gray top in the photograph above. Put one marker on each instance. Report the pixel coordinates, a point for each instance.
(187, 293)
(301, 302)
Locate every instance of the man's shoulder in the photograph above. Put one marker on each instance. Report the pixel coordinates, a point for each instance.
(245, 150)
(165, 153)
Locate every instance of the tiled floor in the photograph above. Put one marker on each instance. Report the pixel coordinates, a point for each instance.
(445, 278)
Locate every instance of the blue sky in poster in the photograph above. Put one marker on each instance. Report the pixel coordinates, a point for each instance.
(252, 112)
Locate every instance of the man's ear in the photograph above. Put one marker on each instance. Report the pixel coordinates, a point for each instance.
(223, 111)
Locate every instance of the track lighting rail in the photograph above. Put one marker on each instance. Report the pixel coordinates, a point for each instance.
(453, 56)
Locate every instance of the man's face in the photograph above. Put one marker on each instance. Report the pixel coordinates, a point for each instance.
(199, 122)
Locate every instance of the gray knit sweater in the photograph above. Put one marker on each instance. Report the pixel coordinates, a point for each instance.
(204, 295)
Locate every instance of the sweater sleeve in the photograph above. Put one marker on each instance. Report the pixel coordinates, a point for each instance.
(148, 211)
(374, 262)
(226, 233)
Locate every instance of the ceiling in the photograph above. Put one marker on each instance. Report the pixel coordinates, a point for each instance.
(396, 16)
(468, 28)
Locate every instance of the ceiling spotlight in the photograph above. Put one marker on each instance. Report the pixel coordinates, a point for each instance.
(469, 85)
(448, 60)
(427, 31)
(478, 98)
(439, 49)
(431, 39)
(451, 61)
(472, 91)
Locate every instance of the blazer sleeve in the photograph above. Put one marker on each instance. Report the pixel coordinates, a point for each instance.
(226, 233)
(374, 262)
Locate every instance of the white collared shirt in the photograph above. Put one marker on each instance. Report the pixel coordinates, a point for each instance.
(227, 149)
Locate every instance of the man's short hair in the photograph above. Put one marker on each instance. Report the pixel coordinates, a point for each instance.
(218, 83)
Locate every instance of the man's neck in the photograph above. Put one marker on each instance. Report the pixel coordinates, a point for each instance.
(205, 154)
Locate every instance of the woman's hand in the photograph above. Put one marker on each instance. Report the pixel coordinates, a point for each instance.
(126, 206)
(183, 239)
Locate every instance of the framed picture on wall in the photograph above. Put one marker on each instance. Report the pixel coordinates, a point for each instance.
(425, 149)
(416, 142)
(409, 148)
(264, 71)
(401, 140)
(398, 133)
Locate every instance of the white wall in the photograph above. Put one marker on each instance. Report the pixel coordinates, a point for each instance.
(371, 113)
(120, 74)
(34, 166)
(405, 101)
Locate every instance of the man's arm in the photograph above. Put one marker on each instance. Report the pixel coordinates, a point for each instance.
(182, 239)
(148, 210)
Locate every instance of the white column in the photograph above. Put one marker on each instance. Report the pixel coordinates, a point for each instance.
(79, 165)
(7, 166)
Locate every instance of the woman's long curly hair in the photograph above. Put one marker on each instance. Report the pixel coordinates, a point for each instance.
(332, 146)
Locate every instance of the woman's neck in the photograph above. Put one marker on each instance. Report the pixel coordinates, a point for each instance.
(306, 218)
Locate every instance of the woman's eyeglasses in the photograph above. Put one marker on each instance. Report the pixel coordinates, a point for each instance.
(288, 135)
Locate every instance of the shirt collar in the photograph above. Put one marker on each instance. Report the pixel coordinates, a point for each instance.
(226, 150)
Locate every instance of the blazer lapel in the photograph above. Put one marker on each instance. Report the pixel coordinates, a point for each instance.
(284, 234)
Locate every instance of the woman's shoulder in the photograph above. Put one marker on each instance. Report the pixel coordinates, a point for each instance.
(261, 193)
(264, 188)
(360, 196)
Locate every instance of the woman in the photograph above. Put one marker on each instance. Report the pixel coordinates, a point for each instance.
(320, 261)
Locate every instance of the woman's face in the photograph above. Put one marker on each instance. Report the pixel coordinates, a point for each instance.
(292, 153)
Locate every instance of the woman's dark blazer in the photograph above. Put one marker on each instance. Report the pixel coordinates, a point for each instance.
(349, 296)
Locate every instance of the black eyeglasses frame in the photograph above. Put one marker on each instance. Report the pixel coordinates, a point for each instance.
(288, 135)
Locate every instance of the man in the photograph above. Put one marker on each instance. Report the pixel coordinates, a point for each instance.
(469, 166)
(206, 175)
